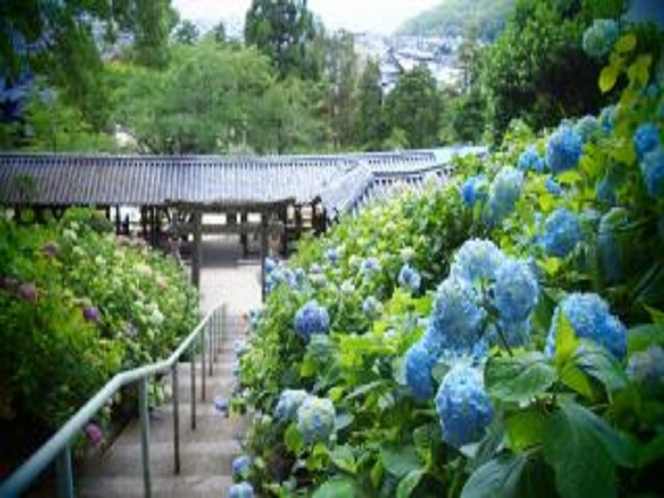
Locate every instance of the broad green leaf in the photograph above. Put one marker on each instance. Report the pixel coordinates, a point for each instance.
(509, 476)
(336, 488)
(643, 336)
(365, 388)
(342, 421)
(400, 461)
(427, 436)
(525, 429)
(651, 452)
(626, 43)
(577, 380)
(376, 474)
(293, 439)
(656, 315)
(343, 457)
(600, 364)
(639, 72)
(583, 451)
(518, 378)
(570, 177)
(408, 484)
(566, 340)
(608, 78)
(308, 368)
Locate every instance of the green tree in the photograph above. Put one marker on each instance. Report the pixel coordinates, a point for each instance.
(284, 30)
(153, 21)
(537, 71)
(186, 33)
(370, 124)
(341, 72)
(414, 106)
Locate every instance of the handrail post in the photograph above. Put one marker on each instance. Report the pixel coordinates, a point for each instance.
(210, 340)
(64, 474)
(203, 362)
(176, 417)
(145, 434)
(192, 396)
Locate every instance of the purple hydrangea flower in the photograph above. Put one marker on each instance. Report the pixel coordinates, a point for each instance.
(51, 249)
(93, 433)
(371, 306)
(28, 292)
(91, 314)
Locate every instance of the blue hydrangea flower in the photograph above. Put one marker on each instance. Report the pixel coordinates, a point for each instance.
(371, 306)
(605, 192)
(270, 265)
(553, 187)
(646, 139)
(463, 406)
(311, 319)
(332, 255)
(288, 404)
(474, 190)
(476, 260)
(647, 368)
(652, 169)
(315, 269)
(562, 232)
(515, 334)
(241, 490)
(240, 348)
(530, 160)
(599, 38)
(418, 365)
(587, 127)
(503, 194)
(590, 318)
(610, 244)
(409, 278)
(455, 320)
(607, 118)
(241, 465)
(369, 267)
(516, 291)
(315, 419)
(564, 149)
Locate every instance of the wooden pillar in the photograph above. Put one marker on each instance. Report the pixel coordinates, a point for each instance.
(118, 221)
(283, 236)
(196, 256)
(264, 253)
(244, 240)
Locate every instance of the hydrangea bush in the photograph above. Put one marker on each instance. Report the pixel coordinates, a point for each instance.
(524, 360)
(79, 304)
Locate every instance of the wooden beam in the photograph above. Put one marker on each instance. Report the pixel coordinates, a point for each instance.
(264, 223)
(243, 229)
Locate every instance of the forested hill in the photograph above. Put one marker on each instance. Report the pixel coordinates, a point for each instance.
(452, 17)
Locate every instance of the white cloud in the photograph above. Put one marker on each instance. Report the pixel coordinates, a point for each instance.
(380, 16)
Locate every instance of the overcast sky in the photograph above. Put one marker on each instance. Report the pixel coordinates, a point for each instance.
(379, 16)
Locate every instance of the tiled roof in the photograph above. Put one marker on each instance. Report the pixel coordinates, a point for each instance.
(340, 180)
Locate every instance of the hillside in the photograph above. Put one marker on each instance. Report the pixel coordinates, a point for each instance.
(452, 17)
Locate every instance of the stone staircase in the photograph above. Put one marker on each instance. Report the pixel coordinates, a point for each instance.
(206, 453)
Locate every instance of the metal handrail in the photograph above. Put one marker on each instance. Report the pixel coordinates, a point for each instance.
(58, 446)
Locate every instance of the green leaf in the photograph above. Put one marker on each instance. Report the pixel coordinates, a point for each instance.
(365, 388)
(583, 451)
(336, 488)
(293, 439)
(651, 452)
(400, 461)
(343, 457)
(510, 476)
(608, 78)
(600, 364)
(639, 72)
(656, 315)
(525, 429)
(518, 378)
(342, 421)
(408, 484)
(566, 340)
(577, 380)
(626, 43)
(642, 337)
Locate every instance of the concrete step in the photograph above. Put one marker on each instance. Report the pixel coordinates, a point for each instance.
(167, 487)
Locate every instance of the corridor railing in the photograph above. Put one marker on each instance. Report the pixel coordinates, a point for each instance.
(206, 336)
